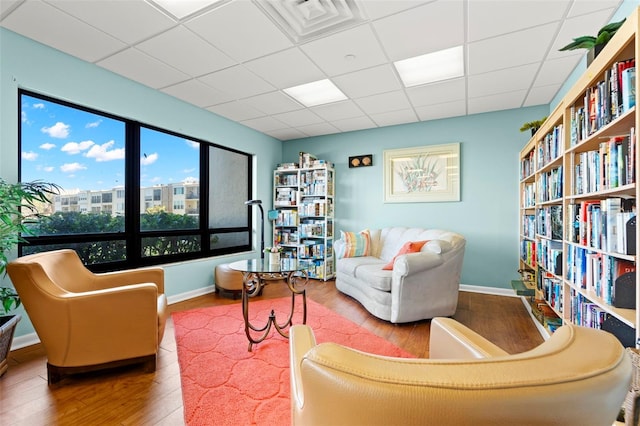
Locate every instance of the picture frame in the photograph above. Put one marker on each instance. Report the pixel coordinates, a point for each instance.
(361, 161)
(422, 174)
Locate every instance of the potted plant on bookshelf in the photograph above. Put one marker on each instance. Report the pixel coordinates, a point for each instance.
(532, 125)
(594, 44)
(18, 209)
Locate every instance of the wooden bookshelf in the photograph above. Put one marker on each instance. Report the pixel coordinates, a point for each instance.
(578, 189)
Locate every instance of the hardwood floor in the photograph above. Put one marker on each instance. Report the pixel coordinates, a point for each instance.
(130, 397)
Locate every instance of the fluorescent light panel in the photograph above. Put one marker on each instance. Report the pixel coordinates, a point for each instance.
(431, 67)
(316, 93)
(182, 8)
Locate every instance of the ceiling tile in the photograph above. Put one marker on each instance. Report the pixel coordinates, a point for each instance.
(6, 6)
(541, 95)
(200, 58)
(582, 7)
(318, 129)
(302, 117)
(501, 81)
(512, 16)
(182, 9)
(240, 30)
(385, 102)
(236, 110)
(264, 124)
(237, 80)
(284, 69)
(197, 93)
(286, 134)
(524, 47)
(368, 82)
(379, 9)
(357, 123)
(338, 110)
(331, 53)
(273, 103)
(434, 26)
(497, 102)
(555, 71)
(129, 21)
(52, 27)
(434, 93)
(394, 117)
(444, 110)
(142, 68)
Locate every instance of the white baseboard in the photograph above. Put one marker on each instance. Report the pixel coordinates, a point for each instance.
(32, 338)
(488, 290)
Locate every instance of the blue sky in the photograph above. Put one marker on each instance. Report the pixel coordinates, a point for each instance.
(80, 150)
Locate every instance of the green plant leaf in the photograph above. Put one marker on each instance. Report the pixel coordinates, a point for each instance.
(583, 42)
(611, 28)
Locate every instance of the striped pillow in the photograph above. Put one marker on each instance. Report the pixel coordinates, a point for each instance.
(356, 244)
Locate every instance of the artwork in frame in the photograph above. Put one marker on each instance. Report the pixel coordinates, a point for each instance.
(422, 174)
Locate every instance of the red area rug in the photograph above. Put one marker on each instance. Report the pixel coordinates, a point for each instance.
(224, 384)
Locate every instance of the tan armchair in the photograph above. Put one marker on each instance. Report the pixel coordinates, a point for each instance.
(579, 376)
(89, 321)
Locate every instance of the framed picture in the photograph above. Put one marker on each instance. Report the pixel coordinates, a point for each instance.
(422, 174)
(361, 161)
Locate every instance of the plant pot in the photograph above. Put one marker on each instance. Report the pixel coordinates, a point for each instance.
(593, 53)
(7, 328)
(274, 258)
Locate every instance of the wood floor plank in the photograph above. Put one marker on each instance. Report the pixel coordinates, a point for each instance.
(130, 397)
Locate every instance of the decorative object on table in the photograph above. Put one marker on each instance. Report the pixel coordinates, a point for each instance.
(422, 174)
(532, 125)
(259, 204)
(594, 44)
(361, 161)
(274, 254)
(18, 210)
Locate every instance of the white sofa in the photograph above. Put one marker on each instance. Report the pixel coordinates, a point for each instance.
(421, 285)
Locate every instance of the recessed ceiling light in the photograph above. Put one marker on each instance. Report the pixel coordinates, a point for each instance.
(182, 8)
(316, 93)
(431, 67)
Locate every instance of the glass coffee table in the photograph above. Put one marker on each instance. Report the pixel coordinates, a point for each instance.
(256, 273)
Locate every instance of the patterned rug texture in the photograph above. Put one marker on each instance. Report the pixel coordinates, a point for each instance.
(224, 384)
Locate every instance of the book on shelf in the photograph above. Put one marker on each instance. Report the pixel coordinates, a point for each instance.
(628, 88)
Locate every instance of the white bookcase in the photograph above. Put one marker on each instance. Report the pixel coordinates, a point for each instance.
(303, 199)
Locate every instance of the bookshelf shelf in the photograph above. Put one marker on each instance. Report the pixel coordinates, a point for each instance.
(578, 191)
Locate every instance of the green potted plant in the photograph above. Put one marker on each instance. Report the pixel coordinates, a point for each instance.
(18, 208)
(594, 43)
(532, 125)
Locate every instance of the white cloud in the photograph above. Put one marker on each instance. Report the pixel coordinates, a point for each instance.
(94, 124)
(49, 169)
(23, 116)
(188, 170)
(38, 105)
(47, 146)
(102, 152)
(76, 148)
(29, 156)
(58, 130)
(145, 160)
(72, 167)
(192, 144)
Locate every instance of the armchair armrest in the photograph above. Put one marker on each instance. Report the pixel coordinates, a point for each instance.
(412, 263)
(128, 277)
(451, 340)
(301, 340)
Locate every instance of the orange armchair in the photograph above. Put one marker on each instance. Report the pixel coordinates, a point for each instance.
(89, 321)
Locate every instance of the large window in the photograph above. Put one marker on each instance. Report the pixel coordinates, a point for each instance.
(131, 194)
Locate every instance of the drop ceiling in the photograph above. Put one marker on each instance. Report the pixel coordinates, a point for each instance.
(235, 57)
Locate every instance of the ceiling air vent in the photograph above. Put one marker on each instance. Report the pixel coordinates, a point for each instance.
(307, 19)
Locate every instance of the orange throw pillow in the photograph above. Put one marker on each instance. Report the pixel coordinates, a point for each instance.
(408, 247)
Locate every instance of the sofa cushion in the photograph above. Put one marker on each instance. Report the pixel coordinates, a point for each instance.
(408, 247)
(349, 265)
(374, 276)
(356, 244)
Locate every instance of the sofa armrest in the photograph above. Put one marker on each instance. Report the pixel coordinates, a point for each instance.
(412, 263)
(451, 340)
(301, 340)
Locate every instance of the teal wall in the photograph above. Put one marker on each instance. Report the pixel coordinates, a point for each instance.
(30, 65)
(487, 214)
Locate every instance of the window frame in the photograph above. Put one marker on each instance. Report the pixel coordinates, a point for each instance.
(132, 234)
